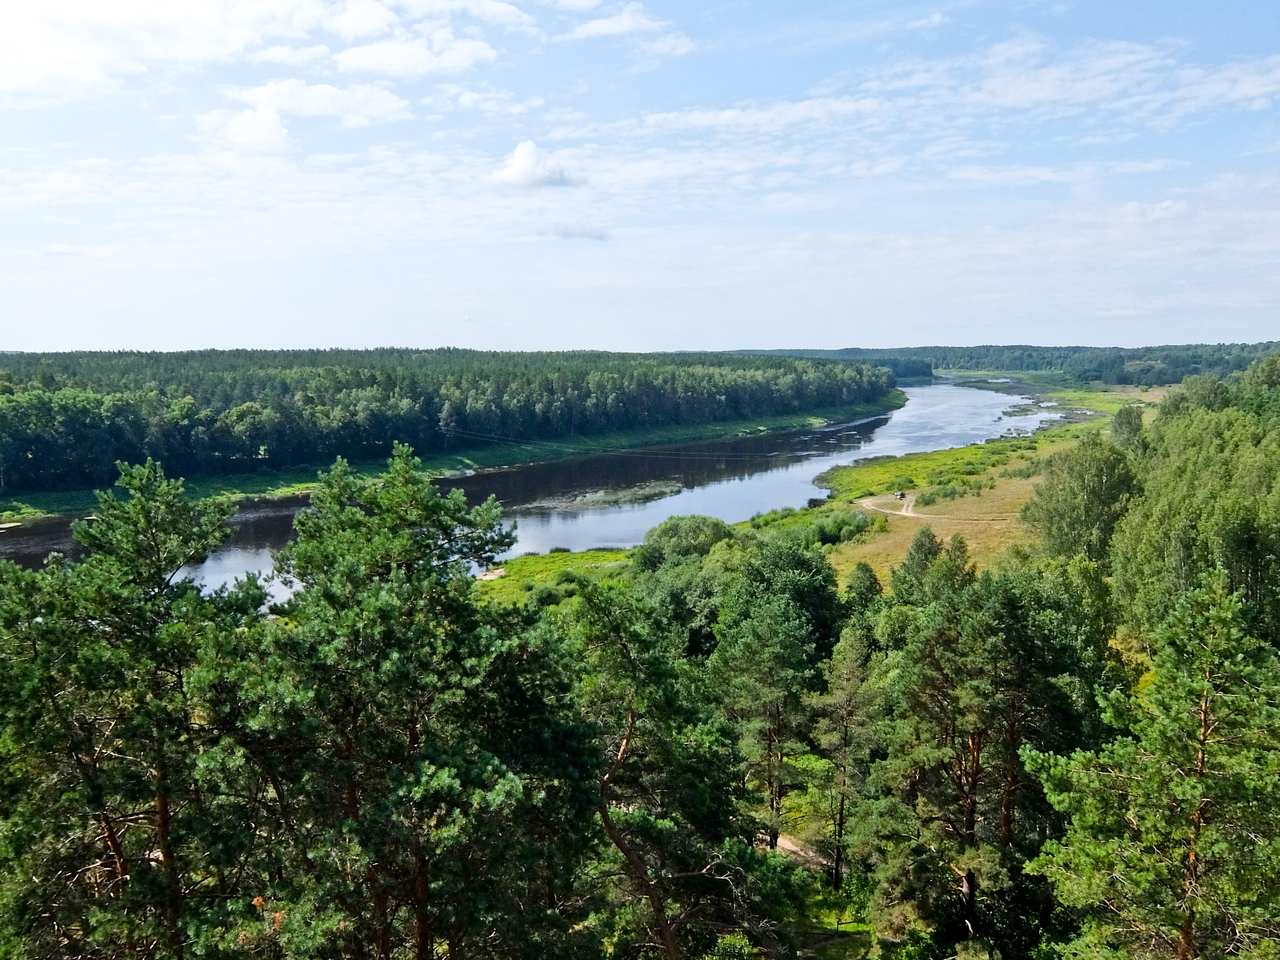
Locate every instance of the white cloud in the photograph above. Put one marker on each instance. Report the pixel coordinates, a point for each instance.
(61, 49)
(257, 129)
(291, 56)
(1136, 83)
(262, 125)
(76, 183)
(496, 12)
(570, 231)
(674, 44)
(633, 18)
(441, 52)
(360, 19)
(356, 106)
(572, 6)
(90, 251)
(931, 22)
(528, 166)
(67, 48)
(486, 100)
(771, 118)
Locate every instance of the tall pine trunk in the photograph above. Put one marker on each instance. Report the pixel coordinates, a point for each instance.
(169, 863)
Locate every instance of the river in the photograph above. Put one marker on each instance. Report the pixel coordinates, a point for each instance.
(589, 501)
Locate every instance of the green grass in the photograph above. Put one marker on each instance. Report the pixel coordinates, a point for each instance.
(917, 471)
(961, 465)
(831, 928)
(1104, 401)
(526, 575)
(1044, 378)
(301, 480)
(1069, 392)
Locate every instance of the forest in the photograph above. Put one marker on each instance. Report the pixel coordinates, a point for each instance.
(1142, 366)
(66, 419)
(1072, 753)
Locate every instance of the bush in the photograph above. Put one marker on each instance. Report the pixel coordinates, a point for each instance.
(733, 946)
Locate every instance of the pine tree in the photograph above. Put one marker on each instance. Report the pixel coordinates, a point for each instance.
(1173, 843)
(762, 667)
(665, 794)
(842, 732)
(975, 669)
(432, 758)
(112, 843)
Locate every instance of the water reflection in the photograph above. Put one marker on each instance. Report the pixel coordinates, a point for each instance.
(573, 503)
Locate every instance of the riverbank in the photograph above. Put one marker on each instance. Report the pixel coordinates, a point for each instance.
(976, 491)
(1056, 387)
(300, 481)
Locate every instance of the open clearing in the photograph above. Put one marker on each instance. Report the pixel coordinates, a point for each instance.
(989, 523)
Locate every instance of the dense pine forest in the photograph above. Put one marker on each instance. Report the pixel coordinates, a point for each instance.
(1144, 366)
(67, 418)
(1073, 753)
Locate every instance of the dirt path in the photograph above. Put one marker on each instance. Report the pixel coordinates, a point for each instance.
(907, 508)
(799, 851)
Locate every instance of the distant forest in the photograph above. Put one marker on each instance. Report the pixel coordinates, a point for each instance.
(67, 418)
(1144, 366)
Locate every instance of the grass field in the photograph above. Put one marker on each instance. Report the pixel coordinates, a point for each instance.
(999, 477)
(301, 480)
(1108, 400)
(521, 578)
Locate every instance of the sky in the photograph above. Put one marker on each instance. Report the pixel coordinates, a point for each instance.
(637, 174)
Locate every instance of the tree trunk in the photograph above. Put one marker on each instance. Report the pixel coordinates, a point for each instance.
(640, 876)
(969, 889)
(172, 880)
(423, 939)
(837, 857)
(636, 868)
(1187, 949)
(773, 776)
(1187, 938)
(1007, 801)
(381, 920)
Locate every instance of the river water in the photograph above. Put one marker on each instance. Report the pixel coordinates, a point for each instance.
(579, 503)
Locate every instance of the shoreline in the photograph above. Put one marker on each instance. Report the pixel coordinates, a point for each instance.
(277, 487)
(986, 516)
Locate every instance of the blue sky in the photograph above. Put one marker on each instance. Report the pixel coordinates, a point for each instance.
(637, 175)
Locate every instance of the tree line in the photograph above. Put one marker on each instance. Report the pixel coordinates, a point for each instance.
(1075, 753)
(67, 418)
(1142, 366)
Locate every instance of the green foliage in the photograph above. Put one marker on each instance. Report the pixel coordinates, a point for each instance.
(938, 468)
(680, 538)
(667, 792)
(109, 822)
(188, 778)
(66, 418)
(955, 489)
(862, 589)
(972, 668)
(1211, 498)
(1085, 492)
(388, 764)
(1137, 365)
(844, 711)
(1126, 428)
(1173, 843)
(762, 664)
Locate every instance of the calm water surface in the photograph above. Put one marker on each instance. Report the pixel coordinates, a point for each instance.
(730, 479)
